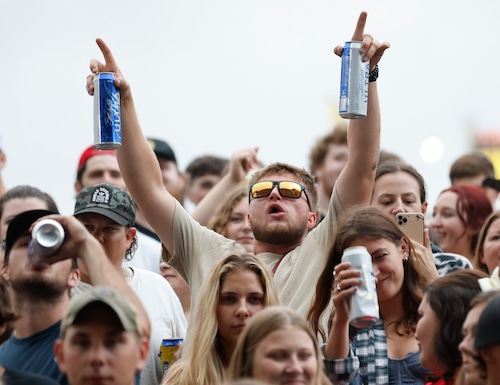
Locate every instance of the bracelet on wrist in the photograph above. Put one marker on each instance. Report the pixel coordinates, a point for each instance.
(373, 75)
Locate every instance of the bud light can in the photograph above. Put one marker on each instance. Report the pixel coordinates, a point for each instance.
(107, 118)
(46, 237)
(353, 103)
(364, 303)
(168, 351)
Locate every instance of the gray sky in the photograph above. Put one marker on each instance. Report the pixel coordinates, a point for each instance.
(216, 76)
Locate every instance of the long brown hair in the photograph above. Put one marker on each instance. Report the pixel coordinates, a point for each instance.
(371, 223)
(450, 297)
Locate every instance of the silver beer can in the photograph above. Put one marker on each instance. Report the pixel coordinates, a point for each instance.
(354, 75)
(46, 237)
(364, 303)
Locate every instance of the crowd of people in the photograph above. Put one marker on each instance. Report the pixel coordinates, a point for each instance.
(242, 262)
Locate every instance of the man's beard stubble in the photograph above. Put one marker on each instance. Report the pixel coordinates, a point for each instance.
(278, 234)
(39, 289)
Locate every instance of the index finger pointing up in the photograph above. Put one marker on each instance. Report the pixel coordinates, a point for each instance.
(106, 52)
(360, 27)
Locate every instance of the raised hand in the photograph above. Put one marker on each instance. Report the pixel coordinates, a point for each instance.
(109, 65)
(372, 49)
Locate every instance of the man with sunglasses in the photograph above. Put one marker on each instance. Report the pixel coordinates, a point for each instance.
(283, 199)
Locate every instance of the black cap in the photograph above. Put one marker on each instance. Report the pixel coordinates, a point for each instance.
(162, 148)
(487, 327)
(20, 226)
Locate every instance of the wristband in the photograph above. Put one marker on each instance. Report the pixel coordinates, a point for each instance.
(373, 75)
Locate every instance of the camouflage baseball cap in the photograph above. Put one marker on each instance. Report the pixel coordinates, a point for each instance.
(108, 200)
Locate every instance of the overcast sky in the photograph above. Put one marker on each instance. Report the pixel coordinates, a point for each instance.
(211, 77)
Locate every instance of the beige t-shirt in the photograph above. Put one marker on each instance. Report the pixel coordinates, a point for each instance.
(197, 249)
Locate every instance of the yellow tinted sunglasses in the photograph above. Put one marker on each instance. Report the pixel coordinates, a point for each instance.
(287, 189)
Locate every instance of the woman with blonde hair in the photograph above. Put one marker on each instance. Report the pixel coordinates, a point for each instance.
(277, 346)
(238, 287)
(231, 219)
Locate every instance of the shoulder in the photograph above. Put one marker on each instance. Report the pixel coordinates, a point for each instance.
(19, 377)
(448, 262)
(149, 278)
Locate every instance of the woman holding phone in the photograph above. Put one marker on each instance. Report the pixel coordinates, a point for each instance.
(399, 189)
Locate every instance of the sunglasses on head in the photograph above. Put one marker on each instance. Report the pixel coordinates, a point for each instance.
(287, 189)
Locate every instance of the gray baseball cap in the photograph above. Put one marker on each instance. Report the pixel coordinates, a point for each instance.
(108, 296)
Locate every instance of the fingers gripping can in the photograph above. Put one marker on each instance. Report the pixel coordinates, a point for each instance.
(364, 303)
(107, 117)
(46, 237)
(168, 350)
(354, 75)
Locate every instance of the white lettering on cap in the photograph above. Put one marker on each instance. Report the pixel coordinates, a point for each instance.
(100, 195)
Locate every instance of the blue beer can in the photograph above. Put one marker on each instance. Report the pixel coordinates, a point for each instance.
(353, 102)
(107, 118)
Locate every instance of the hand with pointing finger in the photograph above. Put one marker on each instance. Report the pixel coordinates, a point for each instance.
(109, 65)
(372, 49)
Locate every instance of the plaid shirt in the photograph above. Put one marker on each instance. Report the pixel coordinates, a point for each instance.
(367, 362)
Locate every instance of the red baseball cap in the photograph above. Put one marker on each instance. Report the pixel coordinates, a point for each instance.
(90, 152)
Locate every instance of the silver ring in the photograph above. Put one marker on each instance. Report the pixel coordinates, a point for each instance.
(338, 287)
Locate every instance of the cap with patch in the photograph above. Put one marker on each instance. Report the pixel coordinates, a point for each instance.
(487, 327)
(105, 295)
(91, 152)
(108, 200)
(161, 148)
(20, 225)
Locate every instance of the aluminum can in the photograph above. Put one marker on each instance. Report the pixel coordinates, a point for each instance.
(354, 75)
(364, 303)
(107, 117)
(168, 349)
(46, 237)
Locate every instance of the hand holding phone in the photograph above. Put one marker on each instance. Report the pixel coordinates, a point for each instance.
(412, 225)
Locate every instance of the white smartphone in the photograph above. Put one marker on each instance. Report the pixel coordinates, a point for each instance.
(412, 224)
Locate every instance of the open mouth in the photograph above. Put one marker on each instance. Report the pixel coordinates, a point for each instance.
(275, 209)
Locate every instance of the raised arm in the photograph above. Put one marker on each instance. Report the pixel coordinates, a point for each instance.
(83, 246)
(355, 183)
(241, 163)
(138, 163)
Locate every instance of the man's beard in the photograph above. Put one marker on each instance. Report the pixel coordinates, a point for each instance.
(278, 234)
(39, 289)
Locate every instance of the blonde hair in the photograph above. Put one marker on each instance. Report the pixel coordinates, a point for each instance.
(222, 215)
(202, 359)
(260, 326)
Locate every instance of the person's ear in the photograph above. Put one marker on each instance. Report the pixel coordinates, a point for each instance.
(78, 187)
(130, 235)
(59, 355)
(405, 248)
(74, 278)
(4, 272)
(3, 159)
(143, 353)
(424, 207)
